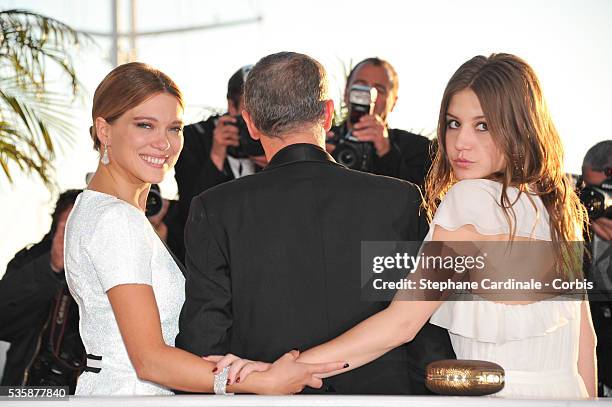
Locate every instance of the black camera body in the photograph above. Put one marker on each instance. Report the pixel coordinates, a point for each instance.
(349, 151)
(154, 201)
(248, 146)
(597, 199)
(60, 356)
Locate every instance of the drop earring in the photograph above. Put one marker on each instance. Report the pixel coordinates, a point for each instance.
(105, 160)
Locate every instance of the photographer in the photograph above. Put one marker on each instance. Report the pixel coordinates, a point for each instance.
(37, 313)
(372, 146)
(596, 194)
(216, 150)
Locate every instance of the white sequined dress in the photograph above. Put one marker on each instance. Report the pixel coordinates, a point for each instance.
(109, 242)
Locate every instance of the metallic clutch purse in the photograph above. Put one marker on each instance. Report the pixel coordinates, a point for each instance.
(464, 377)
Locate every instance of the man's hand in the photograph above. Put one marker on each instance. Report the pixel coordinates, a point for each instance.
(224, 135)
(372, 128)
(602, 227)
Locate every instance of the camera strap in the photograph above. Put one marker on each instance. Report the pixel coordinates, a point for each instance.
(59, 321)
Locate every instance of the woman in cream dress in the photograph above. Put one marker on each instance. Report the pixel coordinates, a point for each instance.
(497, 177)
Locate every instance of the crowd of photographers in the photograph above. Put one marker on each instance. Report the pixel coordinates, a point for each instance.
(40, 319)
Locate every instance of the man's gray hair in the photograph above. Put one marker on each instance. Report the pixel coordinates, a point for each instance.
(599, 157)
(285, 92)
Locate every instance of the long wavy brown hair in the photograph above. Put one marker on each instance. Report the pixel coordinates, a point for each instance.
(520, 124)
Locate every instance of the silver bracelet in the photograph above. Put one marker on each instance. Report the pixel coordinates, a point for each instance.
(220, 382)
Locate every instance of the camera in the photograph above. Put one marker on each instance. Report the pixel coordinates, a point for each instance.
(361, 102)
(154, 201)
(597, 199)
(248, 147)
(349, 151)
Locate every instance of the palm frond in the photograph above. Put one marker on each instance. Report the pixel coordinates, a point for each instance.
(33, 119)
(29, 39)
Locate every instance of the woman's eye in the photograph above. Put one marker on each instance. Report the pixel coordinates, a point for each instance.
(177, 129)
(452, 124)
(144, 125)
(482, 126)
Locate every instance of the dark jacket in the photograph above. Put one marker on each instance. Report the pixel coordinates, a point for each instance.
(273, 264)
(31, 295)
(195, 172)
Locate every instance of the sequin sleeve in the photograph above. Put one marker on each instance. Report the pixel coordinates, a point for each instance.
(120, 250)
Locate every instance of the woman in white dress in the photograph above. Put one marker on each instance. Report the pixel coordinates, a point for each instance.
(497, 176)
(128, 286)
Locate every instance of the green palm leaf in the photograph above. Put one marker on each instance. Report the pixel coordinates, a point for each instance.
(33, 119)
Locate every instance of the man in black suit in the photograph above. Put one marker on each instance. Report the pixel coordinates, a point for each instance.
(273, 259)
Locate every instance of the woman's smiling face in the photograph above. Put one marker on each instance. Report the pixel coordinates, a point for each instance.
(145, 142)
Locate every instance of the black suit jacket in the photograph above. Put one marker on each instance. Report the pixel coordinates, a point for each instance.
(195, 172)
(273, 264)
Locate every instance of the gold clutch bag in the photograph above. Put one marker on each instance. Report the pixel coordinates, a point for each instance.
(464, 377)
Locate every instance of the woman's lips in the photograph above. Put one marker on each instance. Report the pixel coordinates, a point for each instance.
(463, 163)
(153, 161)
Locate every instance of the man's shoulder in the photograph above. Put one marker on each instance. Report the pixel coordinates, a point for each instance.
(199, 129)
(376, 184)
(30, 253)
(228, 190)
(334, 175)
(197, 141)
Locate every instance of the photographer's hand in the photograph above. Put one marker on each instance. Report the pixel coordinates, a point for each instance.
(224, 135)
(329, 147)
(602, 227)
(372, 128)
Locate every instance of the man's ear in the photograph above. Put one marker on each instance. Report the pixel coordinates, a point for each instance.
(329, 115)
(103, 131)
(253, 131)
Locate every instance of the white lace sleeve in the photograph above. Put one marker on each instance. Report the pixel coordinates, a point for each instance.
(120, 248)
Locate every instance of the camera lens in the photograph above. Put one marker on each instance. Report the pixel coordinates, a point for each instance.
(593, 201)
(154, 201)
(346, 156)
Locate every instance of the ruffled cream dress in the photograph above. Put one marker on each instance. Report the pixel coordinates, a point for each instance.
(536, 343)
